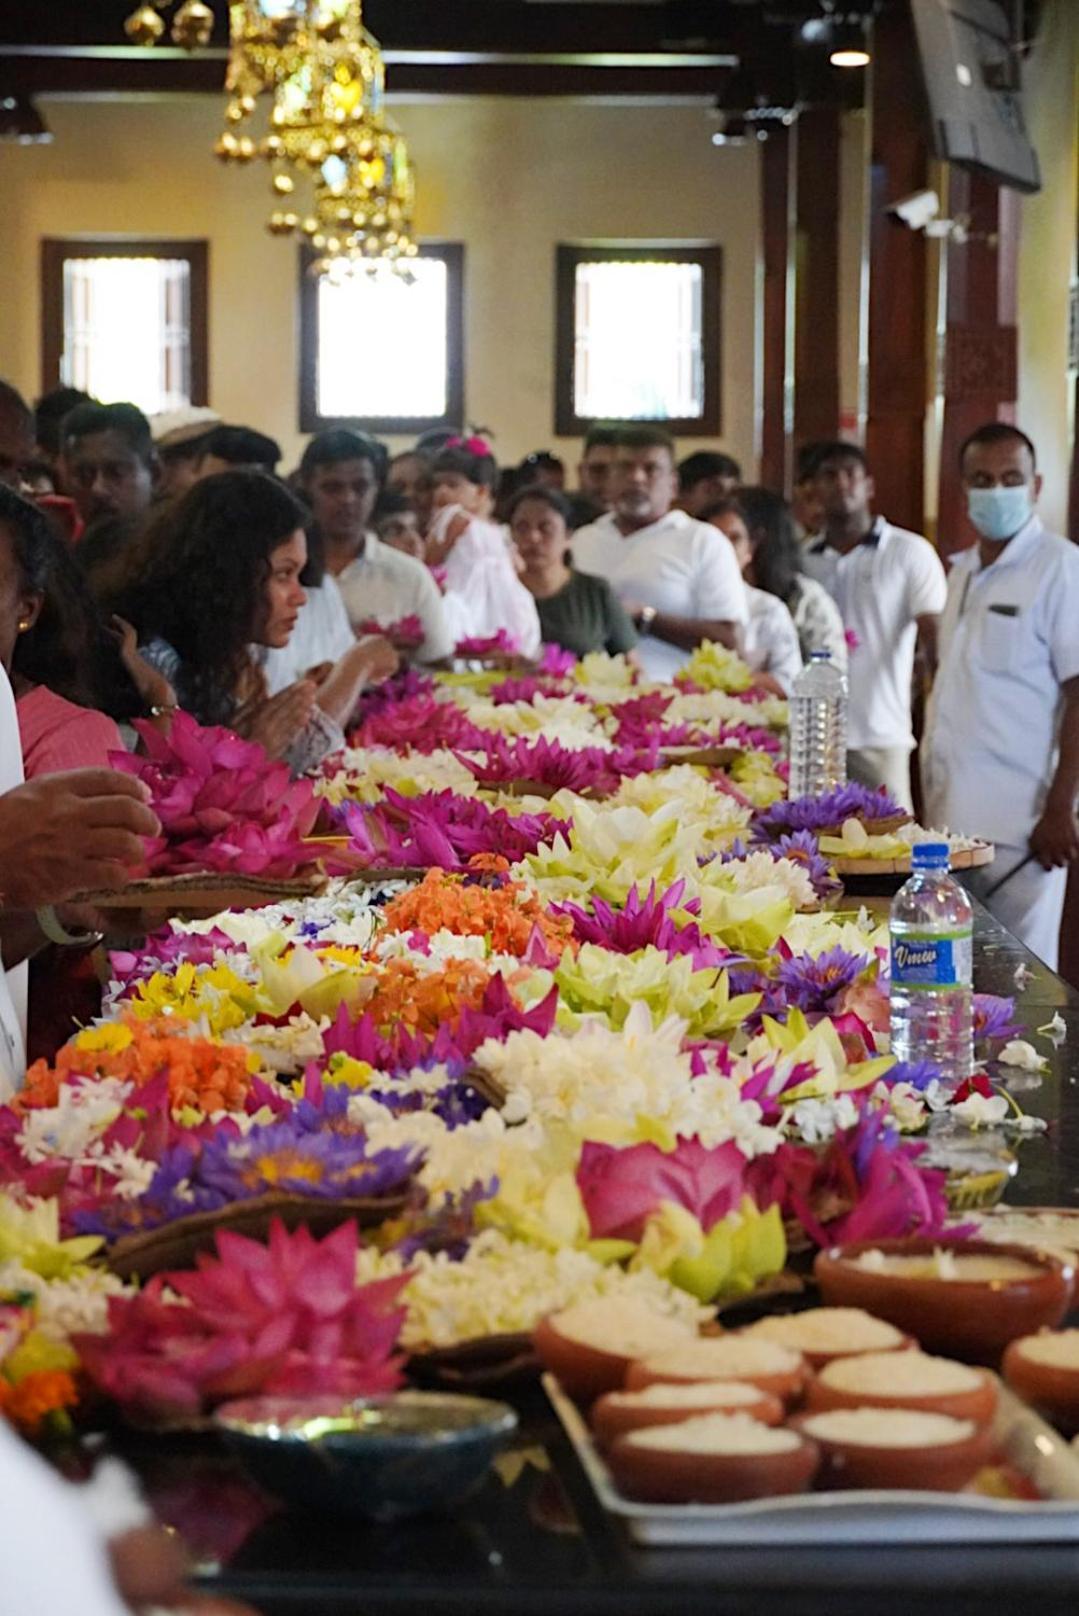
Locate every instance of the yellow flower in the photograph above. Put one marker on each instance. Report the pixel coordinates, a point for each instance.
(110, 1038)
(36, 1352)
(346, 1072)
(821, 1047)
(31, 1235)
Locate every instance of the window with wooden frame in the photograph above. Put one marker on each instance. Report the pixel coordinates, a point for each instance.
(125, 319)
(638, 337)
(382, 352)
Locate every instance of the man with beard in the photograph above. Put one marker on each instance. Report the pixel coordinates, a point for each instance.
(677, 578)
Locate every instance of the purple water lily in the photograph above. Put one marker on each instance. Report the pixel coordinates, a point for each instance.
(285, 1156)
(815, 984)
(994, 1017)
(851, 801)
(919, 1074)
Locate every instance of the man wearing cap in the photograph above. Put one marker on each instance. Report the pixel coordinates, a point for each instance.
(180, 439)
(1000, 758)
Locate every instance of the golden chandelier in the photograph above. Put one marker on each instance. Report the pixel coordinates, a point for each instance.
(341, 170)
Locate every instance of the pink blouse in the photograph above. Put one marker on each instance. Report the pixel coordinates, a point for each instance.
(56, 735)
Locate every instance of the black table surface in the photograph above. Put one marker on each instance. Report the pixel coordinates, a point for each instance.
(535, 1540)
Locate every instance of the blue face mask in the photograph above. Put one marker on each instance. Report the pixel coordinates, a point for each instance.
(999, 513)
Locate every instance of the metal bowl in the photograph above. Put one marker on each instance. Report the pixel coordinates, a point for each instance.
(382, 1458)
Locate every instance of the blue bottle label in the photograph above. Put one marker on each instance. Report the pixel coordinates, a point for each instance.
(933, 961)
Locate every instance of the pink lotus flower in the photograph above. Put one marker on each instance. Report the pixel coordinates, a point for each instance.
(556, 660)
(419, 723)
(406, 633)
(621, 1188)
(480, 645)
(440, 830)
(499, 1014)
(223, 805)
(551, 764)
(282, 1318)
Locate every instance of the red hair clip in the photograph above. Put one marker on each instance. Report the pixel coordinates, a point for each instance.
(472, 446)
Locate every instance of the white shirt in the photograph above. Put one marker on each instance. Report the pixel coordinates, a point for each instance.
(53, 1556)
(679, 566)
(881, 587)
(386, 585)
(323, 633)
(1009, 639)
(483, 592)
(771, 642)
(13, 982)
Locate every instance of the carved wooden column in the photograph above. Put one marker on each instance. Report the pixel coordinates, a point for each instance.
(898, 379)
(979, 379)
(776, 197)
(816, 293)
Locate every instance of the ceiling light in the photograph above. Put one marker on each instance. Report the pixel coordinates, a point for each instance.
(21, 121)
(848, 46)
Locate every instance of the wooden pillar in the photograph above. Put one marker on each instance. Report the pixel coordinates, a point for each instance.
(816, 295)
(776, 194)
(898, 366)
(980, 341)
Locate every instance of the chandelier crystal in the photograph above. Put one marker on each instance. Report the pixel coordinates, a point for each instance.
(341, 172)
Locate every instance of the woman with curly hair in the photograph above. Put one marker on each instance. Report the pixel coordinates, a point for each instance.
(217, 584)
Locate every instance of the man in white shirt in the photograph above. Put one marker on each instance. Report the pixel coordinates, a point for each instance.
(340, 473)
(1001, 750)
(677, 578)
(890, 588)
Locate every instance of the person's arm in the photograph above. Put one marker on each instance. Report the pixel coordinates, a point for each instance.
(621, 634)
(68, 833)
(719, 594)
(369, 661)
(1055, 838)
(689, 632)
(928, 642)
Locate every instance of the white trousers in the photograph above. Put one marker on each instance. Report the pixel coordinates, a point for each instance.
(1030, 903)
(883, 766)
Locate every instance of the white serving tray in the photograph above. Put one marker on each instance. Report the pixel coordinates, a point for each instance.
(860, 1517)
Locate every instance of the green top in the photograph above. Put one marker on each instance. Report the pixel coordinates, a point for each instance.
(585, 616)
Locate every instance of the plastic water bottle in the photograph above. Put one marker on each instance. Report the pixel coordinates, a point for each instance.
(818, 718)
(932, 958)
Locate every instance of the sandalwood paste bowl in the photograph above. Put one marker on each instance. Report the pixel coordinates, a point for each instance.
(971, 1315)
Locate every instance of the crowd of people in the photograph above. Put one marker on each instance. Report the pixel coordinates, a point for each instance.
(149, 565)
(146, 566)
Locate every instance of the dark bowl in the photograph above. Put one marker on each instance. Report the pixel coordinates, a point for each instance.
(962, 1318)
(382, 1458)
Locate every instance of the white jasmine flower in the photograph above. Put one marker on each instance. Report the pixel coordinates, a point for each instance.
(1020, 1053)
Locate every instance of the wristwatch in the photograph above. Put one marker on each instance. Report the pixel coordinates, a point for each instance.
(645, 618)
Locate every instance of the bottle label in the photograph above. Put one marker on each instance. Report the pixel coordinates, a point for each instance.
(933, 961)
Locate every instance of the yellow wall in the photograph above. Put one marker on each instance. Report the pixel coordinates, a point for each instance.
(510, 178)
(1047, 252)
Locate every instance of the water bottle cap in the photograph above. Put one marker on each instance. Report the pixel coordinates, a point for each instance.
(820, 656)
(931, 856)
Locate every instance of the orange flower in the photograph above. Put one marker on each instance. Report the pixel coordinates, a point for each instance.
(506, 916)
(40, 1393)
(422, 1002)
(208, 1076)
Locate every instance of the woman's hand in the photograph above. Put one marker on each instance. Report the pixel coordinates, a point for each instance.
(153, 688)
(277, 721)
(379, 656)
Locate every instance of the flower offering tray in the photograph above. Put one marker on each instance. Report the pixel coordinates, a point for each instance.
(964, 858)
(486, 1363)
(706, 757)
(879, 1516)
(205, 890)
(177, 1244)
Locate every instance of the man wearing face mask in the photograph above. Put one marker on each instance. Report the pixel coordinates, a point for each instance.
(1001, 749)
